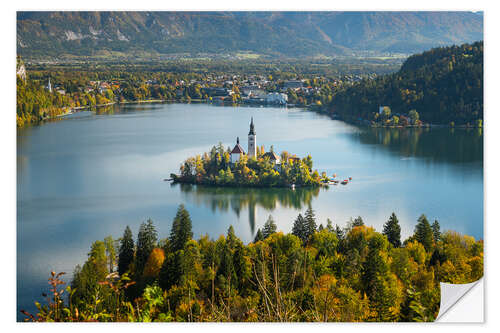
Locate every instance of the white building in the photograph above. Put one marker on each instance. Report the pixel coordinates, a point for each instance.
(274, 158)
(276, 98)
(237, 152)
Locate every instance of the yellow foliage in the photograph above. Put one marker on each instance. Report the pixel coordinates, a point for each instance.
(154, 263)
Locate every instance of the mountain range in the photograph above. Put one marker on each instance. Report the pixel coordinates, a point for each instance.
(274, 34)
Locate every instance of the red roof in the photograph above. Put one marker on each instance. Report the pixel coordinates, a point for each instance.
(237, 149)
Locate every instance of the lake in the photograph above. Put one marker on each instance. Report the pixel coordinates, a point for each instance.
(89, 175)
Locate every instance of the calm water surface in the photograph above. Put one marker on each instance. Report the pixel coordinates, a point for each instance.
(90, 175)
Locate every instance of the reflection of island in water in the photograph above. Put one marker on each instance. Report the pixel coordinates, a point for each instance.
(239, 198)
(455, 146)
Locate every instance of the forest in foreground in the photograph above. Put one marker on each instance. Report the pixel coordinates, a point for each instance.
(314, 273)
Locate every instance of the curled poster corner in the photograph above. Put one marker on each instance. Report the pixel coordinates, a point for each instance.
(461, 302)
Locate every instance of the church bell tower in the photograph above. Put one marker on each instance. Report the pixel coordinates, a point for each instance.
(252, 141)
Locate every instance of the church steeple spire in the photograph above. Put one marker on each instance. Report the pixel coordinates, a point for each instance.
(252, 141)
(252, 128)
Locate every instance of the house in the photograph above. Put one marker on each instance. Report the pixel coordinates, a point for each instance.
(237, 151)
(273, 158)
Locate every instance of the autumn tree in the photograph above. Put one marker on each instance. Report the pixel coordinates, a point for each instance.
(154, 263)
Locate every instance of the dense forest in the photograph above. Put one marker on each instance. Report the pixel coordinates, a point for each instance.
(443, 85)
(314, 273)
(215, 168)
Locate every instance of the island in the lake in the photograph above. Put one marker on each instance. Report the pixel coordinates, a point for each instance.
(257, 168)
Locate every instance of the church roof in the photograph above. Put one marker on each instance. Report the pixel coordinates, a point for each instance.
(272, 155)
(237, 149)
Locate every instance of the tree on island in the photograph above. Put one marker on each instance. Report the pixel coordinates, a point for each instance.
(392, 230)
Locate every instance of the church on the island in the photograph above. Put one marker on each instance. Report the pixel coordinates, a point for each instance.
(252, 148)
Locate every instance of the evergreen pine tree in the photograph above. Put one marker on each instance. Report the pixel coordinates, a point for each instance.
(392, 230)
(358, 222)
(171, 270)
(339, 232)
(231, 237)
(146, 241)
(181, 230)
(126, 251)
(310, 223)
(423, 232)
(258, 236)
(269, 227)
(320, 228)
(436, 231)
(299, 228)
(329, 225)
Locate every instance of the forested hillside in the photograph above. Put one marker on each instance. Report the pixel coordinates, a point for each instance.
(443, 85)
(290, 34)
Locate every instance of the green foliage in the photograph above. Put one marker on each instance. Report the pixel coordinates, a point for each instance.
(126, 251)
(436, 231)
(392, 230)
(328, 275)
(269, 227)
(147, 239)
(445, 85)
(181, 229)
(214, 168)
(424, 233)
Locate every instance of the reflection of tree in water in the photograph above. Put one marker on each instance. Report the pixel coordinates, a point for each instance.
(238, 198)
(437, 144)
(126, 108)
